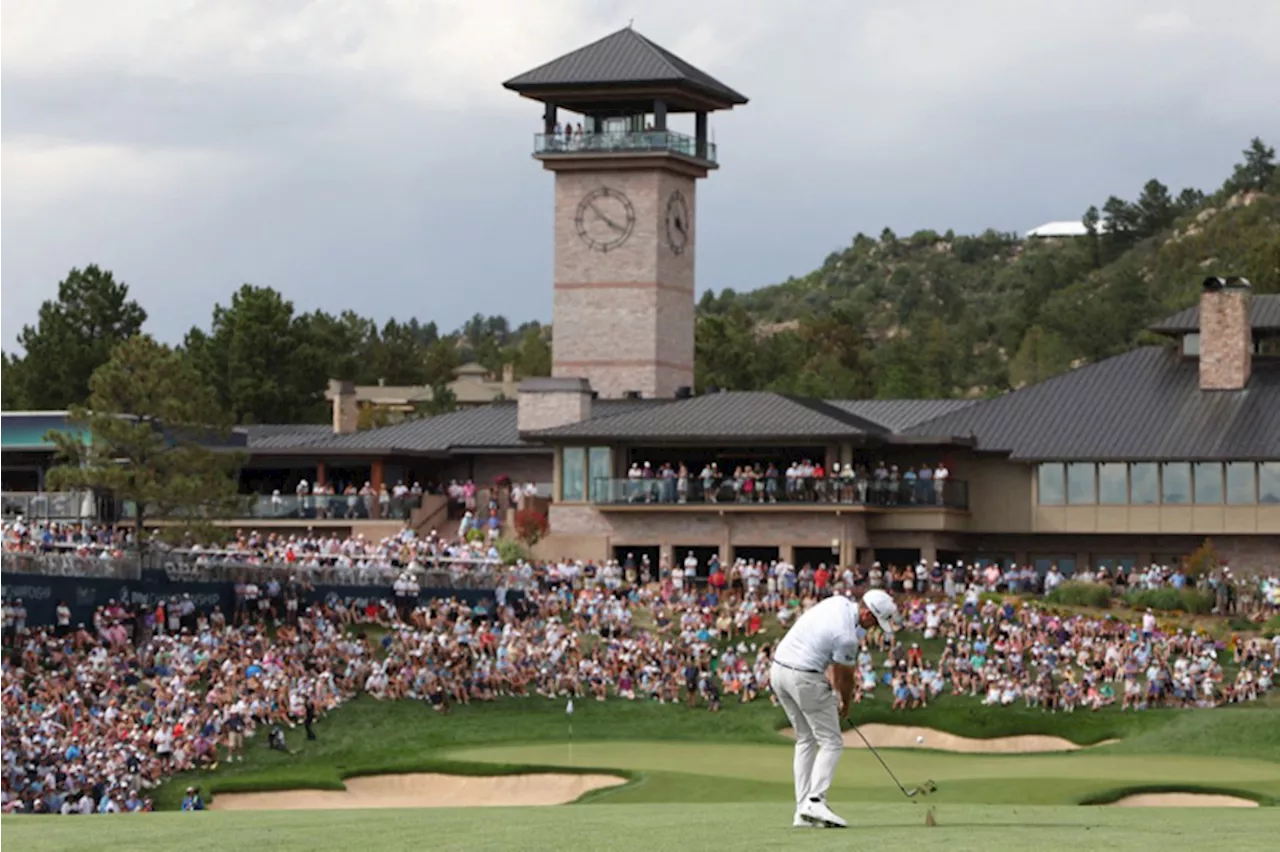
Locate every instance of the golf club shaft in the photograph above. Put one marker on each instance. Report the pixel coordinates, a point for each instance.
(881, 759)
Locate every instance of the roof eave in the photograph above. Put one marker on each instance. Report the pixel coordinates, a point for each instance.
(693, 440)
(682, 95)
(933, 440)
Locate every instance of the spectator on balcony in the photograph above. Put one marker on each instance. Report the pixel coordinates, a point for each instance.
(710, 477)
(940, 477)
(303, 493)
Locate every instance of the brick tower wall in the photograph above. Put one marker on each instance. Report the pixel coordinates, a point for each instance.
(623, 319)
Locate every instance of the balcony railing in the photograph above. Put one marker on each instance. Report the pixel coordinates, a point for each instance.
(338, 507)
(833, 491)
(49, 505)
(622, 143)
(181, 566)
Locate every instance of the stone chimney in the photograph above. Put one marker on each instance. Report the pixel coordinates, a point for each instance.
(346, 412)
(1226, 335)
(545, 403)
(509, 381)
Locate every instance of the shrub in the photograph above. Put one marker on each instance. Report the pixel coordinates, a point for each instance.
(531, 526)
(1272, 627)
(1074, 593)
(511, 551)
(474, 535)
(1171, 600)
(1204, 560)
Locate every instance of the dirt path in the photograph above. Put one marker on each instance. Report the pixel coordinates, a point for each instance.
(906, 736)
(423, 790)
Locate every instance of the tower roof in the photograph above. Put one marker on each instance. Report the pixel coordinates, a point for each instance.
(624, 66)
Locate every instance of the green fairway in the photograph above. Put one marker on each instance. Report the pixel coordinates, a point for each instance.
(962, 778)
(723, 780)
(689, 826)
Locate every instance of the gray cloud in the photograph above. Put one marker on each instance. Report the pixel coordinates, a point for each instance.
(385, 188)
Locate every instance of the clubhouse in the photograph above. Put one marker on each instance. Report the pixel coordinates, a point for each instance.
(1134, 459)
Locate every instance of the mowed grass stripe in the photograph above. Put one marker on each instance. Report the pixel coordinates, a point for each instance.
(747, 827)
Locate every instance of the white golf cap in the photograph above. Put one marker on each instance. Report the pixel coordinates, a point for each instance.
(883, 608)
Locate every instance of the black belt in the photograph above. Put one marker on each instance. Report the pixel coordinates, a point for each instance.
(795, 669)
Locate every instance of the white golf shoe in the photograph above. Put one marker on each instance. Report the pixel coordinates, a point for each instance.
(816, 812)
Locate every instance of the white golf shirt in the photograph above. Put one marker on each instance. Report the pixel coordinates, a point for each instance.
(828, 633)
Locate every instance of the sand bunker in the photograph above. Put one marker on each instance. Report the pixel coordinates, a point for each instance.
(1182, 800)
(904, 736)
(425, 791)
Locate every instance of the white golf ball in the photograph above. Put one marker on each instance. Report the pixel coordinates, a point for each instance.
(919, 739)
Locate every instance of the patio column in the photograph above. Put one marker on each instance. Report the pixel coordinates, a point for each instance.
(375, 480)
(322, 473)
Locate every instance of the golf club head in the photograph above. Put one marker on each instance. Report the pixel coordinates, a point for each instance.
(923, 790)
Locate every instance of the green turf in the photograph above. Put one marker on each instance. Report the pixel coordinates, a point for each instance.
(687, 827)
(369, 737)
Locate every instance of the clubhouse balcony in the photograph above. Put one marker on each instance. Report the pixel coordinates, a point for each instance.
(779, 493)
(623, 143)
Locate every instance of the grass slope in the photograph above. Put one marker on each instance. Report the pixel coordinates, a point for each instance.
(371, 737)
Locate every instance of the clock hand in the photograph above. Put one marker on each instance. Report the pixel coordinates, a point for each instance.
(607, 220)
(680, 226)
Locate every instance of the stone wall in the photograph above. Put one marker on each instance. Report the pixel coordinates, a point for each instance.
(1226, 339)
(547, 403)
(623, 318)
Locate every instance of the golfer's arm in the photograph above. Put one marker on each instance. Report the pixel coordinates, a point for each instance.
(842, 682)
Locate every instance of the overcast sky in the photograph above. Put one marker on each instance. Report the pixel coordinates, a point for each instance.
(362, 154)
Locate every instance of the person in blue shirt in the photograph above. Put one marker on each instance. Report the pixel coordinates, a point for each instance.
(192, 801)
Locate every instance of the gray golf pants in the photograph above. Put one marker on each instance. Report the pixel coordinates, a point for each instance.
(813, 709)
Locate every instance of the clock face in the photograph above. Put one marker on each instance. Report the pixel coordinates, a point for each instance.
(678, 223)
(605, 219)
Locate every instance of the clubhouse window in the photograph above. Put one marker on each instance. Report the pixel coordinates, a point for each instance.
(1082, 485)
(1242, 484)
(600, 472)
(1208, 483)
(1144, 484)
(1175, 481)
(1269, 482)
(1114, 563)
(573, 473)
(1113, 484)
(1052, 484)
(1066, 564)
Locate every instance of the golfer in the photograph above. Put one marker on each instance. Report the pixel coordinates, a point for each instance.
(813, 677)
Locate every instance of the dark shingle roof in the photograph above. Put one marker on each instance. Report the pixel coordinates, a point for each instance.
(734, 415)
(1264, 313)
(485, 426)
(899, 415)
(266, 436)
(1142, 405)
(623, 57)
(488, 427)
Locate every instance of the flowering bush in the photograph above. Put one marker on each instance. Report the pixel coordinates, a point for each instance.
(531, 526)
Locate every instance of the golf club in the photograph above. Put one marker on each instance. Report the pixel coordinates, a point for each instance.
(923, 790)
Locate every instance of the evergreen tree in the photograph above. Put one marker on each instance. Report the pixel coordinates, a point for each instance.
(141, 438)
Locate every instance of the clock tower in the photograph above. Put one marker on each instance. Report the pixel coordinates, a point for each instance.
(625, 212)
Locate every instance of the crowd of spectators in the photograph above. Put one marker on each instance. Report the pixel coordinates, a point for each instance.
(97, 714)
(802, 481)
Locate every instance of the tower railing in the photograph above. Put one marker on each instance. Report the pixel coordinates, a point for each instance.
(614, 142)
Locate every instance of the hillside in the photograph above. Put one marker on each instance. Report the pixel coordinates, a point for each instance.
(929, 315)
(945, 315)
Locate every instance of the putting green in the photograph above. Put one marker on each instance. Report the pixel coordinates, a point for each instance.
(969, 778)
